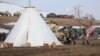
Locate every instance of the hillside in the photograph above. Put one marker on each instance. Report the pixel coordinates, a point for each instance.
(61, 21)
(74, 22)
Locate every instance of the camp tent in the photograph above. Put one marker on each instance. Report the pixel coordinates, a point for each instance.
(31, 28)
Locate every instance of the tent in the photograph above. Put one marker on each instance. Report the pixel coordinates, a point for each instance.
(31, 28)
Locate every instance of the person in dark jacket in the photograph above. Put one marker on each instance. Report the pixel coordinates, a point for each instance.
(72, 35)
(84, 36)
(69, 35)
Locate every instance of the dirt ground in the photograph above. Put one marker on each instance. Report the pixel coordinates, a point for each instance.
(66, 50)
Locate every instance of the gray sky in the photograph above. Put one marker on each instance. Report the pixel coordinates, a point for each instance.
(63, 6)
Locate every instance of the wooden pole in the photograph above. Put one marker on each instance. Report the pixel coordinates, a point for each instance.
(29, 3)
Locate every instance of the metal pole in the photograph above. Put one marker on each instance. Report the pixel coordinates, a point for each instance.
(29, 3)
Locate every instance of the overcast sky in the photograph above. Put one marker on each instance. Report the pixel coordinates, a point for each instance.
(63, 6)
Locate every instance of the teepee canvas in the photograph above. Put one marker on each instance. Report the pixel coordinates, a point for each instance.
(31, 28)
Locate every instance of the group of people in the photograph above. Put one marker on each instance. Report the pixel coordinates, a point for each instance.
(70, 35)
(2, 36)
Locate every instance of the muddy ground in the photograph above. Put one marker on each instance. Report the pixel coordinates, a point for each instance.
(66, 50)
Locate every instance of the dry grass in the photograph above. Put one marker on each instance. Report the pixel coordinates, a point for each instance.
(61, 21)
(4, 19)
(74, 22)
(66, 50)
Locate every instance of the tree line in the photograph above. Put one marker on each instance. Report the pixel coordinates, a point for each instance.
(53, 15)
(7, 13)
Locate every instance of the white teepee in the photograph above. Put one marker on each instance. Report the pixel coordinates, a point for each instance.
(31, 28)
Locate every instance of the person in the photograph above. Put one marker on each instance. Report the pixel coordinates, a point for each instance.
(67, 39)
(69, 35)
(72, 34)
(66, 36)
(84, 36)
(4, 36)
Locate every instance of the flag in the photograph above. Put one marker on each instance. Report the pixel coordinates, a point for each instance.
(90, 30)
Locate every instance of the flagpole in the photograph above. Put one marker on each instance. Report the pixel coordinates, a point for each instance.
(29, 3)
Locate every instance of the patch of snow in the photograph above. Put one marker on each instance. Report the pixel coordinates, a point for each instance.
(61, 27)
(10, 24)
(98, 37)
(1, 45)
(4, 30)
(77, 27)
(97, 26)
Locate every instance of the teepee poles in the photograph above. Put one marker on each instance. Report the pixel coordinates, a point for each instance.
(29, 3)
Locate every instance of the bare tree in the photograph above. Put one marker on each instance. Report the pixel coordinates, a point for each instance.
(78, 14)
(90, 20)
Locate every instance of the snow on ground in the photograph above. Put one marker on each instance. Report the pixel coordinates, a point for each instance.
(97, 26)
(77, 27)
(4, 30)
(10, 24)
